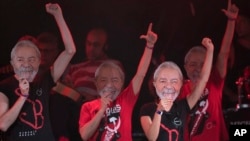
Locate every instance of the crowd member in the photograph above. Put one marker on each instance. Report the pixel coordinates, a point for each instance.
(7, 71)
(239, 57)
(240, 114)
(241, 43)
(165, 118)
(147, 94)
(24, 97)
(48, 45)
(243, 84)
(80, 76)
(246, 77)
(109, 117)
(60, 105)
(206, 121)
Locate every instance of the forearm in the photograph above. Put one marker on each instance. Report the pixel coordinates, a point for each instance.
(154, 129)
(204, 76)
(142, 69)
(232, 13)
(65, 57)
(223, 55)
(65, 34)
(228, 36)
(8, 118)
(205, 72)
(207, 66)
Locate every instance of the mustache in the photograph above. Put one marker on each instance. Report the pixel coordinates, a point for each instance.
(169, 91)
(110, 90)
(25, 69)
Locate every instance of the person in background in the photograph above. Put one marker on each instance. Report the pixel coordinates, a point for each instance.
(165, 118)
(48, 45)
(206, 120)
(240, 114)
(24, 97)
(239, 57)
(243, 84)
(109, 117)
(64, 111)
(246, 78)
(80, 76)
(6, 71)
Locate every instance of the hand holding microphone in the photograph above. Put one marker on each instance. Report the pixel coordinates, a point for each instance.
(24, 87)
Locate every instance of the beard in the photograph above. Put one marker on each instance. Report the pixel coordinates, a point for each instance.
(169, 93)
(26, 72)
(110, 92)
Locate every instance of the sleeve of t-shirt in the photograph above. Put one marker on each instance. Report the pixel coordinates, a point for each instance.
(147, 109)
(3, 89)
(88, 111)
(128, 97)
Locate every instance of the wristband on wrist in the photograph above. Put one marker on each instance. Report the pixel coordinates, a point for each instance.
(149, 47)
(232, 19)
(159, 112)
(24, 95)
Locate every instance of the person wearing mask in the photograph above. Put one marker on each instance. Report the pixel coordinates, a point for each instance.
(109, 117)
(24, 97)
(78, 80)
(165, 118)
(206, 120)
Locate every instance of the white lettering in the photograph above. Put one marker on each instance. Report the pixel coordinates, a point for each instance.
(237, 132)
(112, 110)
(240, 122)
(240, 132)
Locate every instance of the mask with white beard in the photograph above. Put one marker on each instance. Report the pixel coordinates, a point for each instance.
(26, 72)
(110, 92)
(168, 93)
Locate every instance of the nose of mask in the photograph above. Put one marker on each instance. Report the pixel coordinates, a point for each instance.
(169, 91)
